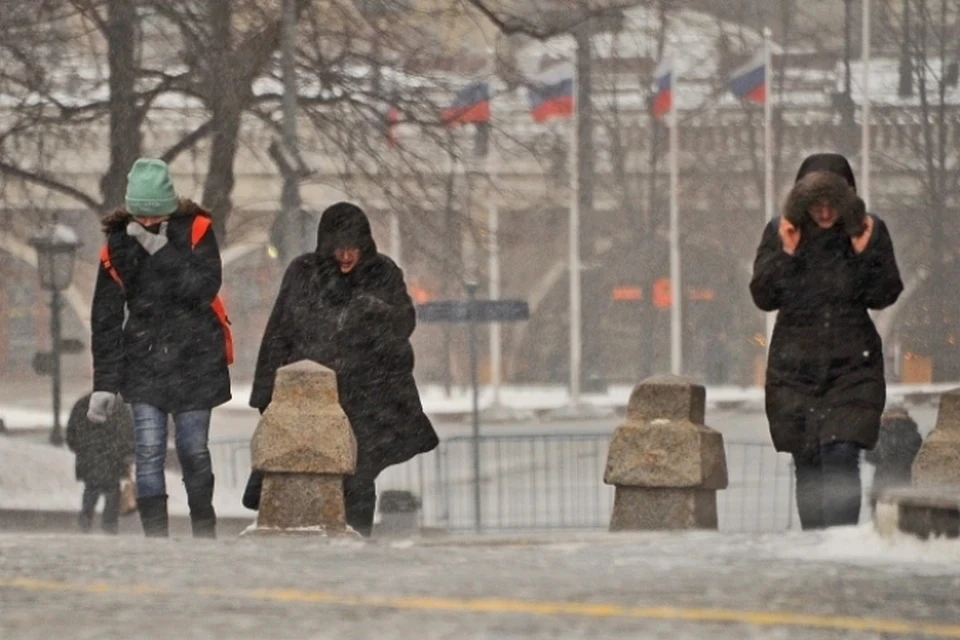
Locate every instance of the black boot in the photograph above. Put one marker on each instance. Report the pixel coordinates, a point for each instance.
(153, 516)
(202, 516)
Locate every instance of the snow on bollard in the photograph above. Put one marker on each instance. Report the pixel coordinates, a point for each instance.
(304, 445)
(665, 464)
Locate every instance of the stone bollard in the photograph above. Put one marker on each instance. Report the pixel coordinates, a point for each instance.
(304, 445)
(938, 462)
(399, 512)
(665, 464)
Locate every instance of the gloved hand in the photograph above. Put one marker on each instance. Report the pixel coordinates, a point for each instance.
(152, 242)
(102, 404)
(372, 304)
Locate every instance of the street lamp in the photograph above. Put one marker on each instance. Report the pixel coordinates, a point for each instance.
(56, 246)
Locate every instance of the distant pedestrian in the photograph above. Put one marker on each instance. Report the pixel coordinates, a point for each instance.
(346, 306)
(104, 451)
(896, 449)
(823, 265)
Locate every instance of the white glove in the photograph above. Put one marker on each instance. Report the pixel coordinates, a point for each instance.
(152, 242)
(102, 404)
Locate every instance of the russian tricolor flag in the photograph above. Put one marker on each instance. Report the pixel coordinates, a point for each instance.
(749, 82)
(551, 94)
(662, 100)
(470, 106)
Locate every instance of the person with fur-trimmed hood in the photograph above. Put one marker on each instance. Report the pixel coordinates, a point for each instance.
(346, 306)
(823, 265)
(169, 356)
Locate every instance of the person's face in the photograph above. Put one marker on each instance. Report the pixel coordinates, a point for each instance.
(347, 258)
(149, 221)
(824, 215)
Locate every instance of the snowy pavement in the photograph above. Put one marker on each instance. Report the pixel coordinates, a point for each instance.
(846, 583)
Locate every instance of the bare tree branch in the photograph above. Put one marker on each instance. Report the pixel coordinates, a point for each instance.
(45, 180)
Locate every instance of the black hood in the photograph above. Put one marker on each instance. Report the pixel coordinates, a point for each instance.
(831, 163)
(345, 225)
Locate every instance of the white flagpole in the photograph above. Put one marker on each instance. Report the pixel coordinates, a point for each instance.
(865, 133)
(768, 195)
(676, 326)
(576, 346)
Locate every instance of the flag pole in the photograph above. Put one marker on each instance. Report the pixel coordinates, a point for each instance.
(865, 133)
(576, 346)
(676, 347)
(493, 230)
(768, 195)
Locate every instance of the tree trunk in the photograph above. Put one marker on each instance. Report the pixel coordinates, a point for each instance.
(125, 115)
(226, 105)
(220, 176)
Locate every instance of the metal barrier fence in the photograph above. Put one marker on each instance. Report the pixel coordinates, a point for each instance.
(551, 481)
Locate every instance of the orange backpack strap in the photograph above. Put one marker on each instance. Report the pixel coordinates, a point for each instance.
(108, 264)
(201, 224)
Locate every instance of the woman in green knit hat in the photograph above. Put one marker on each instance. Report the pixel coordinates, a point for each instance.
(161, 268)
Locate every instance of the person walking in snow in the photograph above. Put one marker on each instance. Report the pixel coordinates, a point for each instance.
(103, 451)
(897, 447)
(823, 265)
(346, 306)
(161, 267)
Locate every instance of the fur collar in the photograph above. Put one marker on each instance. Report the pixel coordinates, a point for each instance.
(118, 219)
(823, 186)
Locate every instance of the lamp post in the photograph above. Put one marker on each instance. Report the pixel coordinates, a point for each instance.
(56, 246)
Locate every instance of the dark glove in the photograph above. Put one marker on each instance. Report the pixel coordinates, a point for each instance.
(371, 305)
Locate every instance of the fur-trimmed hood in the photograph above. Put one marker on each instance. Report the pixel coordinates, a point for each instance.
(118, 219)
(825, 187)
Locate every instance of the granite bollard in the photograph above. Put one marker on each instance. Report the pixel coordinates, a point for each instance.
(938, 462)
(665, 464)
(304, 445)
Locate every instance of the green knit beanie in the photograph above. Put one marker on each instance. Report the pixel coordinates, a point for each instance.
(149, 189)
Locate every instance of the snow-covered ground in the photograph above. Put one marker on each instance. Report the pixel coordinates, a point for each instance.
(41, 477)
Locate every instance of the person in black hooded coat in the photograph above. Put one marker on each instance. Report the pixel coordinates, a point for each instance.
(346, 307)
(822, 265)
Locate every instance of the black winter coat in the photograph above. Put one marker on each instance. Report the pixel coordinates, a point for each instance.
(825, 380)
(359, 325)
(103, 450)
(896, 449)
(170, 351)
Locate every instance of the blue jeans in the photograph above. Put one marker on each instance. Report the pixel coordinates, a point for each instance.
(150, 437)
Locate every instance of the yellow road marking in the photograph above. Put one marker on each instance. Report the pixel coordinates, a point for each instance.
(526, 607)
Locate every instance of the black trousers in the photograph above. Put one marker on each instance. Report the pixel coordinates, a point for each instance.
(828, 486)
(111, 506)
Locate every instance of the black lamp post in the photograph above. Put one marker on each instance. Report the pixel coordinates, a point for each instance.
(56, 246)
